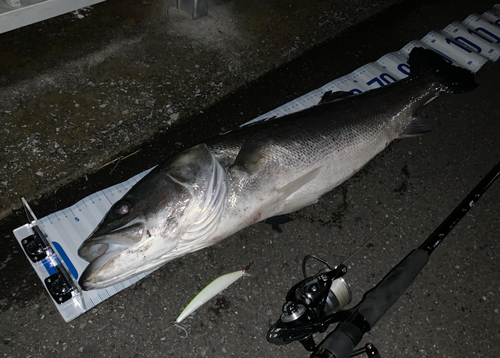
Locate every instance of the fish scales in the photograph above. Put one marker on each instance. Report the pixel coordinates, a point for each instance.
(349, 133)
(210, 191)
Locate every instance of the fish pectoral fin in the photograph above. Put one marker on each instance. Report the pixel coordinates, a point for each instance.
(330, 96)
(294, 205)
(288, 202)
(252, 155)
(298, 183)
(414, 129)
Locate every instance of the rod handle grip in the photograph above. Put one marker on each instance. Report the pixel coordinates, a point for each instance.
(380, 299)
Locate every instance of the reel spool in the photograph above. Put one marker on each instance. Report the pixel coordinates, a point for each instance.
(312, 305)
(339, 296)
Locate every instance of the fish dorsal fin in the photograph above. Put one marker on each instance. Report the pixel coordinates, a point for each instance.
(415, 128)
(330, 96)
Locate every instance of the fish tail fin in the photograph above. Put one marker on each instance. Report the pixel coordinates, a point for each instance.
(454, 79)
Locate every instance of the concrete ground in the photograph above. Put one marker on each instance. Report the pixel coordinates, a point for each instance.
(74, 89)
(83, 89)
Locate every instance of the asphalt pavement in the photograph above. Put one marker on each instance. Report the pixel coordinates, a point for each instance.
(369, 223)
(81, 90)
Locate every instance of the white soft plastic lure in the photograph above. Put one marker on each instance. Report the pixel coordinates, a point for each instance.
(213, 288)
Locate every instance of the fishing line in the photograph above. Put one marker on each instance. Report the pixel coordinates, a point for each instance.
(395, 217)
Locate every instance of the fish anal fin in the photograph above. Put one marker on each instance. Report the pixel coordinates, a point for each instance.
(414, 129)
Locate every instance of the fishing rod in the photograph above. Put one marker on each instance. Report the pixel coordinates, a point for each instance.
(318, 301)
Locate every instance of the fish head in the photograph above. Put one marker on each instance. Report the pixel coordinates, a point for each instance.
(147, 217)
(173, 210)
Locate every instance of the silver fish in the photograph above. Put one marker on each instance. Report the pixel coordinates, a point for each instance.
(210, 191)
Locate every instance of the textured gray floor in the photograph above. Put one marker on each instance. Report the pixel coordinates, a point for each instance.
(82, 89)
(372, 221)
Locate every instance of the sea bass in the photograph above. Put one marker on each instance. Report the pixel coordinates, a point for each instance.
(210, 191)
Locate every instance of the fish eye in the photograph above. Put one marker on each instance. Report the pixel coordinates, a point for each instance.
(122, 208)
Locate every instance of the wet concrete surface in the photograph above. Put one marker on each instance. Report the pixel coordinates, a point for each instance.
(80, 90)
(372, 221)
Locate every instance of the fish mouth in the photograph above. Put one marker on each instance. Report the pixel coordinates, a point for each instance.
(99, 249)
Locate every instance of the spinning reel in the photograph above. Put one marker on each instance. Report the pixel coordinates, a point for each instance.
(318, 301)
(312, 305)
